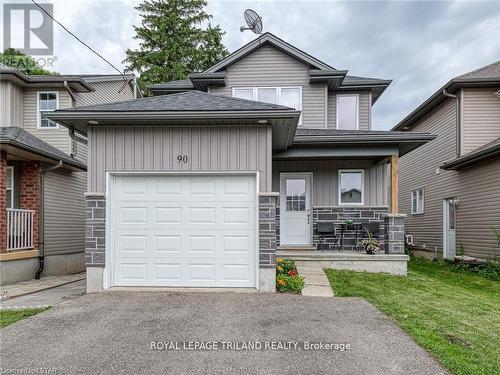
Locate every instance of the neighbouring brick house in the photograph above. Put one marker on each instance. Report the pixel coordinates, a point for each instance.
(42, 171)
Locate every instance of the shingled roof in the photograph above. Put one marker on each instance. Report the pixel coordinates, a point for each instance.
(192, 101)
(20, 138)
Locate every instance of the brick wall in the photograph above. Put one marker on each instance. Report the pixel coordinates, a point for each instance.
(3, 202)
(29, 194)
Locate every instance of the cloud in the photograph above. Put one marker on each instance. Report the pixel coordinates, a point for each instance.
(420, 45)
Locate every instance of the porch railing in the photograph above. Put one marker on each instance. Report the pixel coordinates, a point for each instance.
(19, 229)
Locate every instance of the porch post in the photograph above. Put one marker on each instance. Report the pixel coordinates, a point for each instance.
(394, 184)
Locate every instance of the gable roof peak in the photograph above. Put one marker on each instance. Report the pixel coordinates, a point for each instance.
(278, 43)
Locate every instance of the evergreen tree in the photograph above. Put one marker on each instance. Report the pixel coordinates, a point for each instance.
(176, 39)
(16, 59)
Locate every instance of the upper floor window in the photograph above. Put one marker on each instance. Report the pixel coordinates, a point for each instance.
(287, 96)
(47, 102)
(417, 201)
(351, 186)
(347, 112)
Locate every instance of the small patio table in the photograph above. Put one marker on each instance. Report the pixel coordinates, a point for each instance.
(356, 227)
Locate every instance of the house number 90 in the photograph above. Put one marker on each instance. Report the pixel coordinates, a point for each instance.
(182, 159)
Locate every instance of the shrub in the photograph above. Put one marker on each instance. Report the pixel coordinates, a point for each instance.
(489, 269)
(293, 284)
(283, 266)
(287, 277)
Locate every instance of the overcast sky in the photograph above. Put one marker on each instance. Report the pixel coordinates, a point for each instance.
(419, 45)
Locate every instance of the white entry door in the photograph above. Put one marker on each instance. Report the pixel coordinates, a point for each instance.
(295, 209)
(449, 223)
(184, 230)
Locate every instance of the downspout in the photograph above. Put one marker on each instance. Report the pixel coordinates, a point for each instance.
(74, 149)
(41, 222)
(457, 120)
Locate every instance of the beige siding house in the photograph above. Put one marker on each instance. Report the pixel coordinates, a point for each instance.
(205, 182)
(458, 174)
(42, 227)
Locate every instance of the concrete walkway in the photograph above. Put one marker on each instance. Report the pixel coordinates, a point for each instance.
(33, 286)
(45, 298)
(316, 283)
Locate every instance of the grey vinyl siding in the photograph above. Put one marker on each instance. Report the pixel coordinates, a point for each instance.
(11, 104)
(477, 188)
(157, 148)
(56, 137)
(479, 209)
(418, 169)
(325, 179)
(64, 212)
(365, 105)
(268, 66)
(64, 192)
(106, 92)
(480, 117)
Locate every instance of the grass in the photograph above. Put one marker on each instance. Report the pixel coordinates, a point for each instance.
(8, 317)
(455, 316)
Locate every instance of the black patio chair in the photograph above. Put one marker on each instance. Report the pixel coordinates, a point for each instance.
(326, 230)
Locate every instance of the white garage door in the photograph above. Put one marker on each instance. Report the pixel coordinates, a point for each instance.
(184, 230)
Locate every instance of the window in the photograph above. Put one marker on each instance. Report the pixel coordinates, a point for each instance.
(347, 112)
(296, 194)
(351, 186)
(287, 96)
(417, 201)
(10, 187)
(47, 102)
(243, 93)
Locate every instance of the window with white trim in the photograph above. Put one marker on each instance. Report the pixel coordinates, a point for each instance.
(351, 186)
(288, 96)
(47, 102)
(10, 187)
(348, 111)
(417, 201)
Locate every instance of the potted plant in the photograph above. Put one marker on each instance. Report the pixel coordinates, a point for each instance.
(349, 224)
(370, 244)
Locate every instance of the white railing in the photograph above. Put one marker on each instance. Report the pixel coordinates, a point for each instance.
(19, 229)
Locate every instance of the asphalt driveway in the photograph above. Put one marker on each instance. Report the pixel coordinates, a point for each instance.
(111, 333)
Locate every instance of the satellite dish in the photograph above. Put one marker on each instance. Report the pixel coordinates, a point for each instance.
(253, 20)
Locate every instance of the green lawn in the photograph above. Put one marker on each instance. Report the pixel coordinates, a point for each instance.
(455, 316)
(8, 317)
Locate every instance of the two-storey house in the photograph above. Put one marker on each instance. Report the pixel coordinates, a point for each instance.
(42, 171)
(450, 187)
(207, 181)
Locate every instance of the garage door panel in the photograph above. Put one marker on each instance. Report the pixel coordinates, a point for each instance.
(167, 272)
(201, 272)
(164, 243)
(185, 231)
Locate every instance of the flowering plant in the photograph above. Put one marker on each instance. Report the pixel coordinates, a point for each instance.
(287, 277)
(370, 244)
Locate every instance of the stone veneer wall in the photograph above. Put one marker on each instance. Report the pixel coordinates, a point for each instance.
(267, 231)
(95, 229)
(395, 233)
(339, 215)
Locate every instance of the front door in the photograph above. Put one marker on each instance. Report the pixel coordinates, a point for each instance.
(449, 221)
(295, 209)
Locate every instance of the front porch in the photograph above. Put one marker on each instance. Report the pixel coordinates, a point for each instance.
(395, 264)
